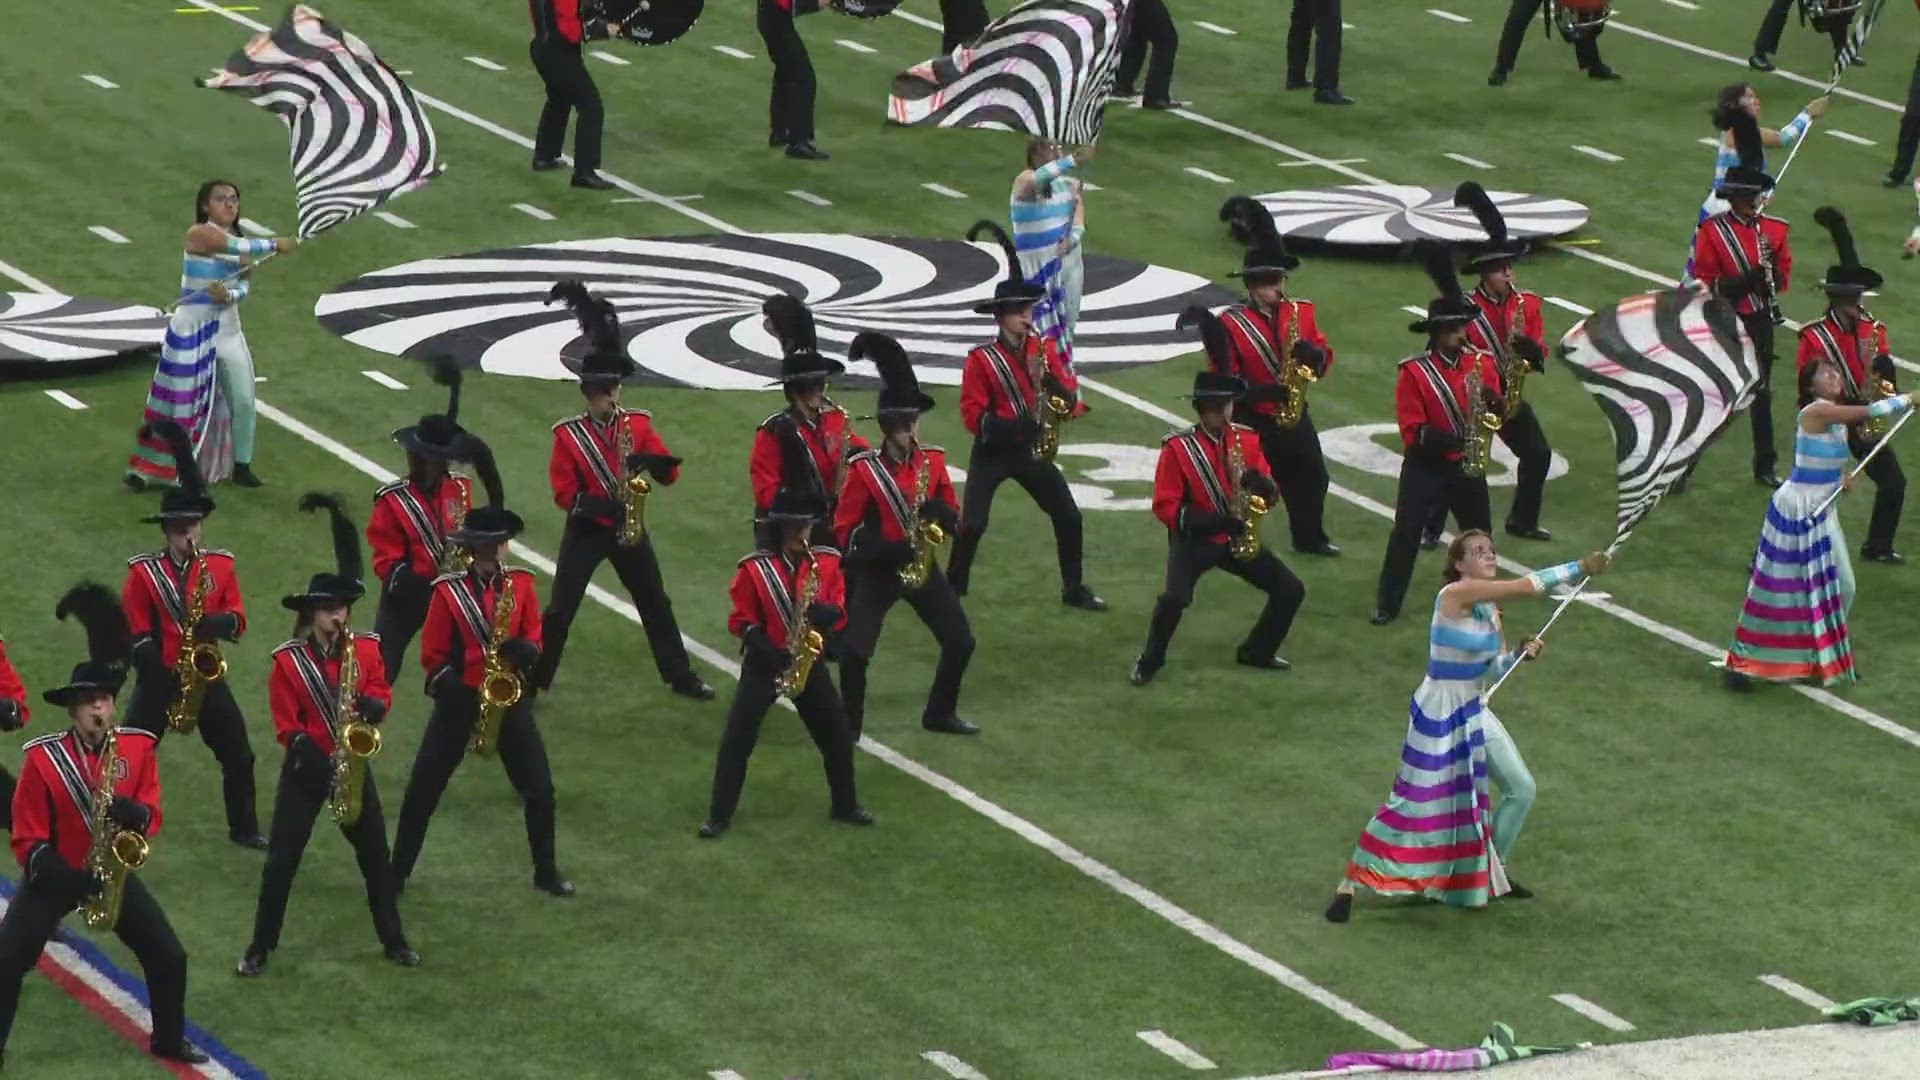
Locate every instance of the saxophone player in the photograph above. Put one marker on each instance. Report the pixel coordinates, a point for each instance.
(1258, 336)
(14, 715)
(1438, 417)
(460, 632)
(158, 600)
(893, 495)
(1005, 387)
(804, 446)
(590, 476)
(1855, 343)
(1194, 495)
(780, 592)
(304, 690)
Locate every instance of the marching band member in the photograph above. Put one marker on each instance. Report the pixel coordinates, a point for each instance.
(1583, 35)
(161, 589)
(307, 713)
(1832, 21)
(1434, 836)
(14, 715)
(768, 612)
(1194, 496)
(1742, 255)
(589, 479)
(411, 518)
(1855, 343)
(1004, 388)
(462, 633)
(806, 445)
(879, 524)
(1257, 332)
(53, 833)
(791, 104)
(1437, 415)
(1508, 323)
(1739, 98)
(558, 33)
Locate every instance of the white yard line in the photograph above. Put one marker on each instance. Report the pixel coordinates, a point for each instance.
(1567, 305)
(953, 1066)
(107, 234)
(1593, 1012)
(393, 219)
(855, 46)
(611, 58)
(483, 62)
(1689, 5)
(1175, 1049)
(810, 198)
(1215, 28)
(919, 20)
(32, 283)
(1448, 15)
(385, 379)
(1848, 136)
(1335, 161)
(67, 399)
(1206, 174)
(942, 189)
(533, 211)
(728, 50)
(1471, 163)
(1797, 992)
(103, 84)
(1596, 152)
(1729, 58)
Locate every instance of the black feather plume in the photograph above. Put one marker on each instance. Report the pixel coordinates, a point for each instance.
(1475, 198)
(792, 323)
(1438, 260)
(109, 640)
(346, 538)
(1250, 222)
(1746, 140)
(888, 357)
(446, 372)
(482, 458)
(177, 440)
(1836, 225)
(1213, 336)
(1006, 242)
(599, 320)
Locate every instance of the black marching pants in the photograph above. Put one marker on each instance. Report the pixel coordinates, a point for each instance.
(960, 22)
(1188, 561)
(1152, 27)
(870, 595)
(305, 783)
(1767, 41)
(582, 549)
(1889, 494)
(570, 88)
(1760, 327)
(819, 706)
(222, 727)
(1520, 19)
(1909, 143)
(442, 747)
(791, 104)
(1426, 487)
(1528, 440)
(403, 611)
(32, 919)
(1314, 19)
(987, 469)
(1293, 455)
(6, 799)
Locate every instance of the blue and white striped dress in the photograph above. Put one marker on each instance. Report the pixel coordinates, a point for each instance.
(1726, 157)
(1048, 245)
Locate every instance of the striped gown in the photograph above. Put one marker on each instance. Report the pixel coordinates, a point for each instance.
(1434, 835)
(1793, 625)
(1041, 229)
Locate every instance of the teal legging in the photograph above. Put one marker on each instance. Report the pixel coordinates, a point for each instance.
(234, 367)
(1506, 768)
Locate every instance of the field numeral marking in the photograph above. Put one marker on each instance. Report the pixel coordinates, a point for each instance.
(1593, 1012)
(103, 84)
(1797, 992)
(1175, 1049)
(67, 399)
(1687, 5)
(385, 380)
(725, 1074)
(953, 1066)
(532, 211)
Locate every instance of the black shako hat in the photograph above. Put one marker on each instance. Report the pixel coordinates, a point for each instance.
(343, 585)
(1451, 307)
(1250, 222)
(1211, 385)
(439, 436)
(1750, 176)
(1847, 277)
(492, 523)
(606, 358)
(189, 501)
(794, 506)
(89, 677)
(800, 357)
(899, 387)
(1500, 246)
(1217, 381)
(1014, 290)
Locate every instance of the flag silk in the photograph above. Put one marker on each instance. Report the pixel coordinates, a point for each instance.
(1044, 68)
(1497, 1048)
(1671, 369)
(359, 137)
(1856, 41)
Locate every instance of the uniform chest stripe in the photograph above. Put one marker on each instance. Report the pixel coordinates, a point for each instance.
(319, 689)
(592, 451)
(776, 589)
(1009, 382)
(884, 485)
(1269, 352)
(73, 778)
(1456, 415)
(426, 526)
(1202, 466)
(167, 589)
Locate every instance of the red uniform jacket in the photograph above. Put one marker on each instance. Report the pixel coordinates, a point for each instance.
(584, 461)
(880, 493)
(996, 382)
(12, 689)
(409, 527)
(1852, 351)
(53, 802)
(555, 20)
(305, 686)
(1727, 244)
(777, 461)
(1490, 331)
(158, 590)
(1255, 340)
(1432, 393)
(460, 621)
(767, 584)
(1193, 473)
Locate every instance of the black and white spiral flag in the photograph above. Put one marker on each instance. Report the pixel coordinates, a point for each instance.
(359, 136)
(1044, 68)
(1671, 369)
(1856, 42)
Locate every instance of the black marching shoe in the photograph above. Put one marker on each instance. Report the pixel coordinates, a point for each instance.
(948, 725)
(1141, 674)
(806, 151)
(180, 1051)
(1882, 555)
(692, 686)
(549, 881)
(250, 841)
(1767, 479)
(1246, 657)
(1516, 891)
(713, 830)
(548, 164)
(251, 964)
(1164, 104)
(402, 955)
(776, 140)
(243, 477)
(1498, 77)
(1759, 62)
(1382, 617)
(1083, 598)
(1603, 73)
(1528, 532)
(1734, 680)
(1341, 909)
(1429, 541)
(1889, 180)
(592, 181)
(1331, 97)
(856, 816)
(1297, 82)
(1326, 548)
(1122, 94)
(135, 482)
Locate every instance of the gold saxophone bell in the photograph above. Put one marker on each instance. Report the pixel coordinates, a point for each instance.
(1257, 504)
(935, 534)
(130, 848)
(501, 689)
(209, 663)
(363, 740)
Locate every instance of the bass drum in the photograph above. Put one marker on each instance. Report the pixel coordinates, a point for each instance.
(654, 22)
(1578, 20)
(865, 9)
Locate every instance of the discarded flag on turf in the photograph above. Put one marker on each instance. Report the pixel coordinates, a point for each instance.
(1044, 68)
(1876, 1011)
(359, 136)
(1670, 369)
(1497, 1048)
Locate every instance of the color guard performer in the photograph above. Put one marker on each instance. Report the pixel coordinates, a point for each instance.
(411, 518)
(1197, 488)
(162, 588)
(897, 498)
(804, 446)
(1005, 389)
(1439, 413)
(593, 479)
(465, 630)
(309, 718)
(1258, 333)
(14, 715)
(1743, 257)
(786, 596)
(1855, 343)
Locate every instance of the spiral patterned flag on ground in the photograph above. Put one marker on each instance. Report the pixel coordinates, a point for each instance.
(359, 137)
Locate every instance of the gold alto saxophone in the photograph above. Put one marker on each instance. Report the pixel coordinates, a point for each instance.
(1477, 441)
(1298, 374)
(1051, 410)
(804, 643)
(1247, 506)
(116, 852)
(1873, 428)
(1766, 263)
(633, 487)
(354, 740)
(454, 558)
(200, 663)
(927, 535)
(1514, 371)
(500, 685)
